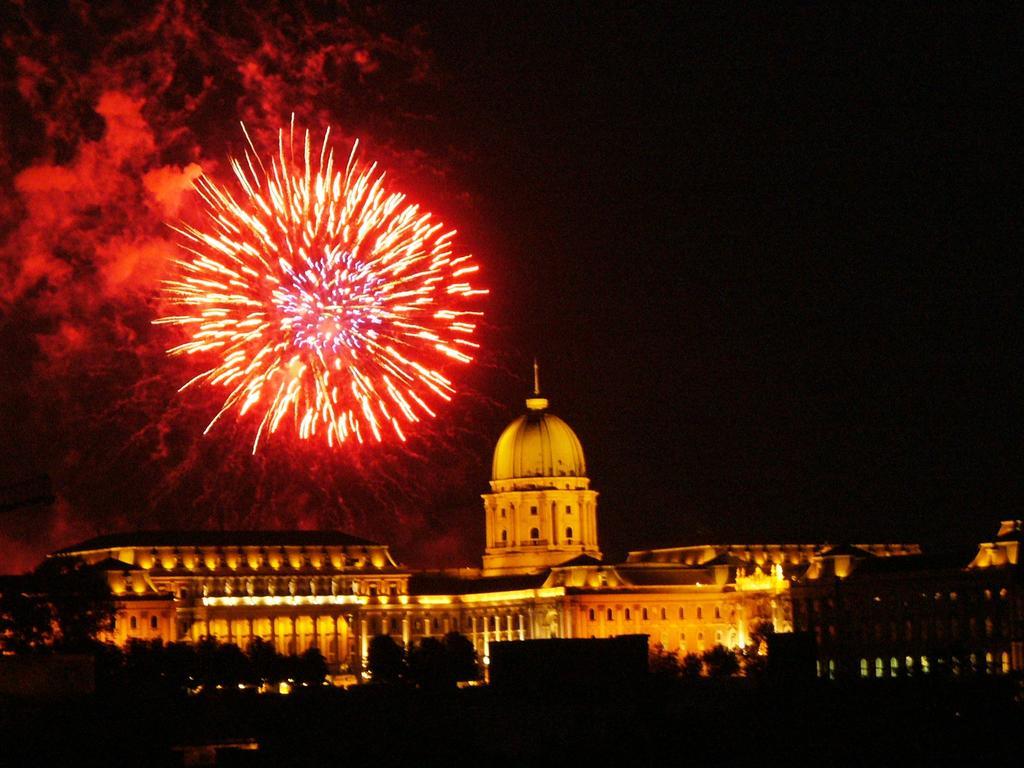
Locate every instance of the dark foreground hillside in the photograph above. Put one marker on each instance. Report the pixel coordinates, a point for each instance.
(914, 721)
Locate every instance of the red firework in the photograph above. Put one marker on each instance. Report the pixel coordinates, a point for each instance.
(325, 300)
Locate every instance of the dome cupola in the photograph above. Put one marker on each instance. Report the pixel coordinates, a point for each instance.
(538, 445)
(541, 511)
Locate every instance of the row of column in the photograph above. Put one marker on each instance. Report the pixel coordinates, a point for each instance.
(335, 639)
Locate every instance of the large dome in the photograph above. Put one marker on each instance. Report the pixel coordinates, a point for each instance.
(538, 444)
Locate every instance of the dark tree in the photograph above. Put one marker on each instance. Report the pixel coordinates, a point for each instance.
(426, 663)
(230, 665)
(462, 661)
(386, 660)
(663, 663)
(755, 654)
(721, 662)
(26, 621)
(691, 666)
(79, 598)
(265, 663)
(441, 664)
(311, 667)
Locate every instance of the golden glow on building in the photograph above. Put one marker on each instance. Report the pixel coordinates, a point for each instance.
(542, 576)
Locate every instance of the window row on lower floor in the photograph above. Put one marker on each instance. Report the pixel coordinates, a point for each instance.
(992, 663)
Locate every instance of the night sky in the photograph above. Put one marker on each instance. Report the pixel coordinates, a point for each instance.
(768, 262)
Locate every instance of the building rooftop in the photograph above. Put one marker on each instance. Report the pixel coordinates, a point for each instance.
(262, 538)
(444, 584)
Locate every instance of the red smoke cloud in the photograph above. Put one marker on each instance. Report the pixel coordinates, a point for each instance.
(108, 115)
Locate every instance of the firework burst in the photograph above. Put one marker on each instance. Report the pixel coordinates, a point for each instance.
(324, 300)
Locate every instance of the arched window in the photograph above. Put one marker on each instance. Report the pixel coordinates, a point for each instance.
(990, 664)
(700, 612)
(863, 667)
(879, 667)
(718, 612)
(502, 511)
(894, 666)
(627, 619)
(534, 533)
(568, 534)
(609, 615)
(1004, 660)
(504, 535)
(925, 665)
(682, 612)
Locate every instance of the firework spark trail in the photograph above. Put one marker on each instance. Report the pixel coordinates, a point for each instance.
(323, 297)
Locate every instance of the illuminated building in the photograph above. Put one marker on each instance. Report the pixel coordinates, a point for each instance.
(871, 607)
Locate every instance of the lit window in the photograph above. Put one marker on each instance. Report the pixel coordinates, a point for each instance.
(879, 667)
(831, 669)
(925, 665)
(863, 667)
(894, 666)
(534, 533)
(908, 663)
(990, 664)
(1005, 662)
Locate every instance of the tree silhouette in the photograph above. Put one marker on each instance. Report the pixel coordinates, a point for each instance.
(721, 662)
(692, 666)
(440, 664)
(386, 660)
(663, 663)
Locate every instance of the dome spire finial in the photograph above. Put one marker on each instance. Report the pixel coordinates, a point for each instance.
(535, 402)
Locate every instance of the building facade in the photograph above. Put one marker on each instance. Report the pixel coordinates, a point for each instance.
(874, 609)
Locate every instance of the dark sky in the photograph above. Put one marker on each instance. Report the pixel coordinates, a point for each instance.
(768, 260)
